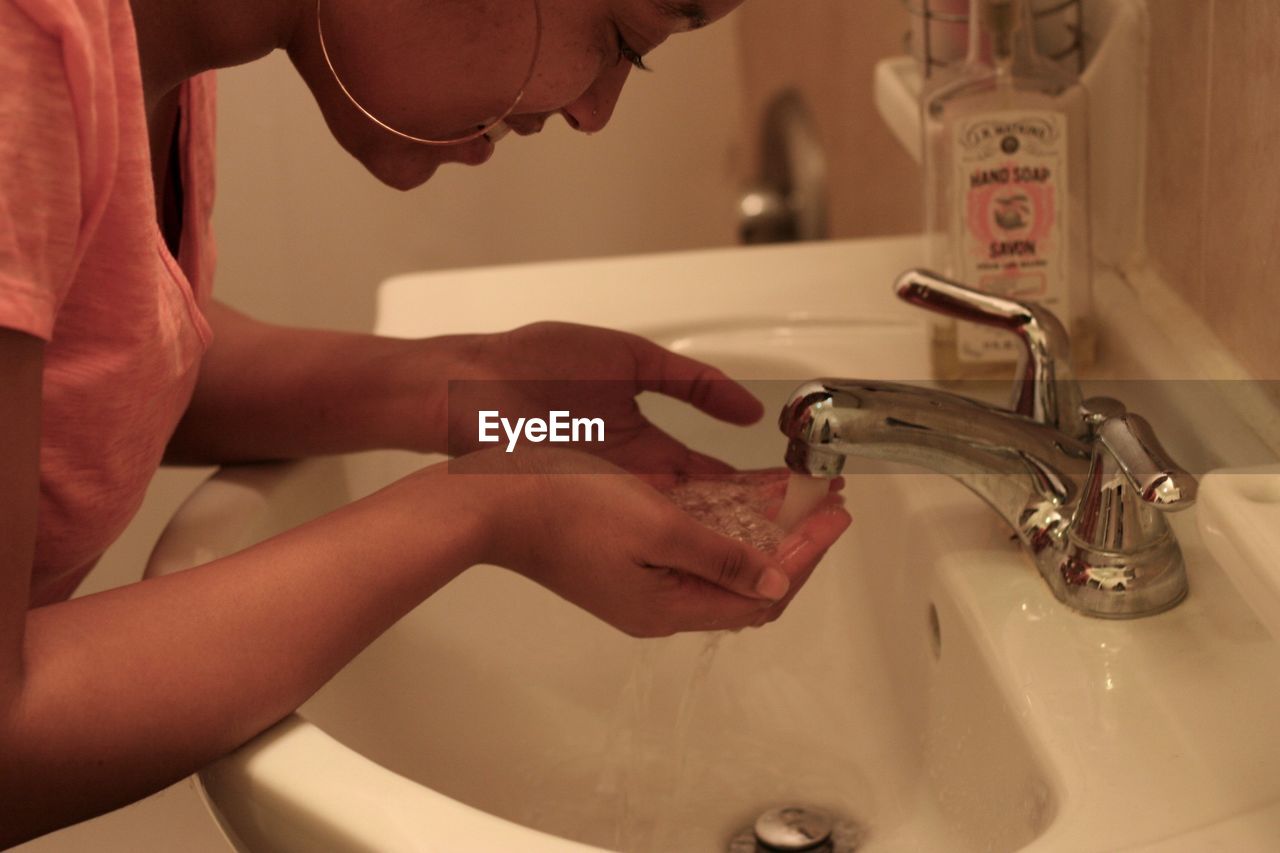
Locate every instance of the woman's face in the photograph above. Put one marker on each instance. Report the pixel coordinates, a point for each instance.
(440, 69)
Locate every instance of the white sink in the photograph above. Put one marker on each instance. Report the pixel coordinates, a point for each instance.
(925, 684)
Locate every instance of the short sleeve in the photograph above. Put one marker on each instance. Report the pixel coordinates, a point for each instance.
(41, 196)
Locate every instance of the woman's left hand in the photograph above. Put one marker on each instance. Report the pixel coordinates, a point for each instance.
(589, 372)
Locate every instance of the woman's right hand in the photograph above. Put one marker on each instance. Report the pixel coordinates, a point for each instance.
(612, 544)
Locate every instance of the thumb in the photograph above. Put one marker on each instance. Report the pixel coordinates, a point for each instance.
(735, 566)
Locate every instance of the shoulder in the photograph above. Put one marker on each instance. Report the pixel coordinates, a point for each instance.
(59, 18)
(51, 48)
(68, 65)
(82, 40)
(55, 158)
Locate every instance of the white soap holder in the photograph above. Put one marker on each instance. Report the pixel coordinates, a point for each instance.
(1239, 519)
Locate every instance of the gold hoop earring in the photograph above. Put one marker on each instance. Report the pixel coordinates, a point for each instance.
(533, 61)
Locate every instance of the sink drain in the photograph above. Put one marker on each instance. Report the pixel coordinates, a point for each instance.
(798, 828)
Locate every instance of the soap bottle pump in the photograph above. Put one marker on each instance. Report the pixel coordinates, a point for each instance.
(1006, 185)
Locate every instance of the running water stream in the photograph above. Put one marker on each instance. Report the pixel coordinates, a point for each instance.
(648, 748)
(647, 774)
(804, 493)
(737, 506)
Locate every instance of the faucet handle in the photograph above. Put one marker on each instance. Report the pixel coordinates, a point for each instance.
(1043, 388)
(1121, 557)
(1132, 482)
(1158, 479)
(1138, 454)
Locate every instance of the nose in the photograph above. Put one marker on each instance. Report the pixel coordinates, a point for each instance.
(594, 107)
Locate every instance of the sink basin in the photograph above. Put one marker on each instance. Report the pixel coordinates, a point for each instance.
(924, 688)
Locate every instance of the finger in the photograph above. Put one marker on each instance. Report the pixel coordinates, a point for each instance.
(802, 552)
(803, 547)
(703, 605)
(729, 564)
(695, 604)
(696, 383)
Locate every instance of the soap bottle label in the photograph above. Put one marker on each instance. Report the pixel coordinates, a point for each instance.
(1011, 179)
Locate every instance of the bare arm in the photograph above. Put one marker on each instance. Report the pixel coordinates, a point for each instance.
(21, 363)
(273, 392)
(107, 698)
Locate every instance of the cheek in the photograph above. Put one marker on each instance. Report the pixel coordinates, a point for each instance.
(556, 88)
(433, 69)
(571, 58)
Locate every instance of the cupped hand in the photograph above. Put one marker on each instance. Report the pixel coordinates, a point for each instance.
(612, 544)
(592, 372)
(758, 496)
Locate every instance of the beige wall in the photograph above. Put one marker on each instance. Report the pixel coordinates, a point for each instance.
(828, 49)
(1213, 192)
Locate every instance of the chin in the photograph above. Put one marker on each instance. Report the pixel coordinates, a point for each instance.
(402, 174)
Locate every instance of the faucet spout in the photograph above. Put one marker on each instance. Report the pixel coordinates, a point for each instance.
(1026, 471)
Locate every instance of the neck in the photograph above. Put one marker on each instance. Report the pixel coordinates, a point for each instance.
(178, 39)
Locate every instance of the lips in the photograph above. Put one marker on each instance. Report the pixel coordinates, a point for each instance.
(529, 128)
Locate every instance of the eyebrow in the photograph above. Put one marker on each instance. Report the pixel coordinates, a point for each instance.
(692, 14)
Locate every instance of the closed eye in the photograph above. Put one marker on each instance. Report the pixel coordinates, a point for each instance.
(625, 51)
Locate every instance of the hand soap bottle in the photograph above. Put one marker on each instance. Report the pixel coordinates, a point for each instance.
(1006, 178)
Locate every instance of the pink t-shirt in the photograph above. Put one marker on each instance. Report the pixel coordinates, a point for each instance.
(83, 265)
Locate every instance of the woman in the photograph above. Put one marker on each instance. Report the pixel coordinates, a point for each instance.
(113, 356)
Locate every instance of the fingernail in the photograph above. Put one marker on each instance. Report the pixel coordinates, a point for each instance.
(773, 584)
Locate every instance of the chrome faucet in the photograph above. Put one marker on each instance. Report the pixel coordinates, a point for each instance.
(1083, 483)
